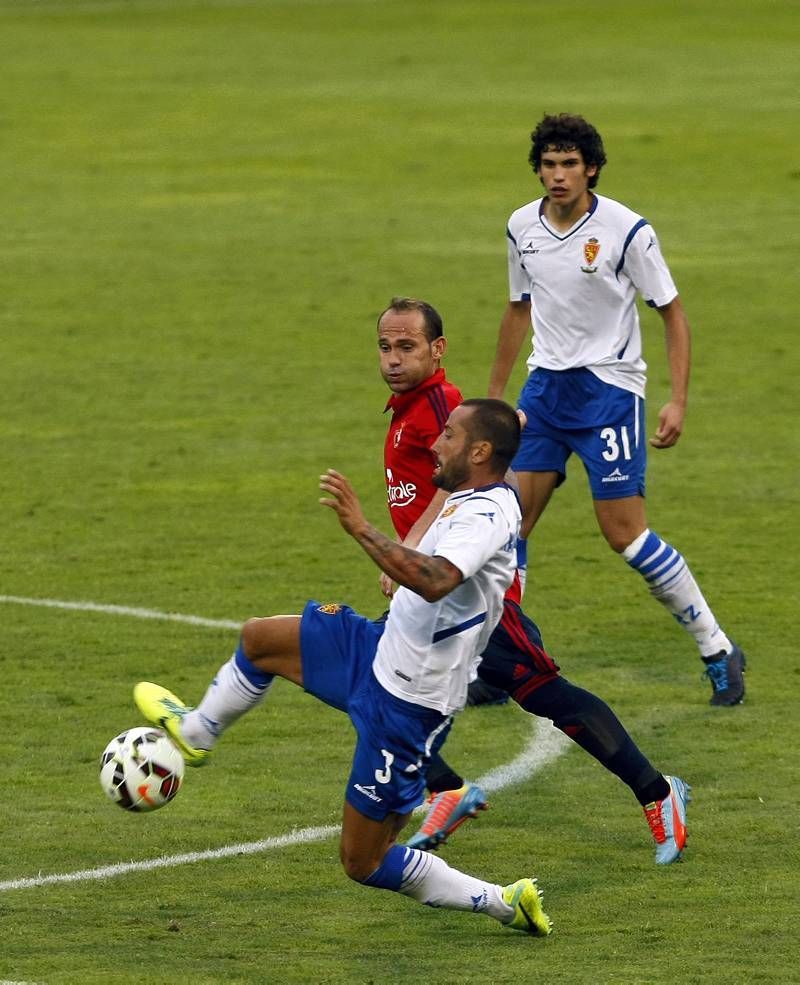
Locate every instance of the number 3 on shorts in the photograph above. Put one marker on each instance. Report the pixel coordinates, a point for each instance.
(384, 775)
(609, 435)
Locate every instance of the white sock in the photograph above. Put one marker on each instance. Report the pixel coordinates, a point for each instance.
(672, 583)
(228, 697)
(430, 880)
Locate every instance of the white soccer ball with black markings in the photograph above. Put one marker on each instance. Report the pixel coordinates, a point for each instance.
(141, 769)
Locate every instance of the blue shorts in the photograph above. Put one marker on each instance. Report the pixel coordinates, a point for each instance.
(395, 739)
(573, 411)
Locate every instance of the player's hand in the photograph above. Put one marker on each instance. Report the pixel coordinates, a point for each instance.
(343, 500)
(387, 586)
(670, 426)
(523, 417)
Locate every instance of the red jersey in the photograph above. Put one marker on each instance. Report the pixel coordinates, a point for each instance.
(418, 417)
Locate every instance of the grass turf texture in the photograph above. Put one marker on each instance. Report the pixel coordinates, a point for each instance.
(205, 206)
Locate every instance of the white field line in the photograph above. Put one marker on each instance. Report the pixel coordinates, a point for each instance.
(545, 746)
(123, 610)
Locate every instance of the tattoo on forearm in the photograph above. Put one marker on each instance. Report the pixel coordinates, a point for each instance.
(419, 572)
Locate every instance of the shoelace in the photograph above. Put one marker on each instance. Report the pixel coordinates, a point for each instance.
(656, 821)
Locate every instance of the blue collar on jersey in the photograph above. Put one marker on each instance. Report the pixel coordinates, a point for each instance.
(466, 493)
(581, 222)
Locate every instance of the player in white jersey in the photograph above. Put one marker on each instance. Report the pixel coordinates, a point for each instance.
(576, 262)
(477, 532)
(400, 680)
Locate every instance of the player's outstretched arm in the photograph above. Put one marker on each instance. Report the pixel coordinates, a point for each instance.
(430, 577)
(678, 341)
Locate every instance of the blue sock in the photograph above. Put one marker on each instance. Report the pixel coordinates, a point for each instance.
(389, 874)
(258, 678)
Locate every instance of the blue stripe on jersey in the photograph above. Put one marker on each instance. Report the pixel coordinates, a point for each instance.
(621, 352)
(627, 243)
(438, 403)
(508, 233)
(444, 634)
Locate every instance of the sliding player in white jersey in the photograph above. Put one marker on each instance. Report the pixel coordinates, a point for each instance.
(399, 680)
(576, 262)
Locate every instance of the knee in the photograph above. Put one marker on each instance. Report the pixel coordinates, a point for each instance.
(261, 637)
(251, 637)
(619, 537)
(357, 866)
(617, 540)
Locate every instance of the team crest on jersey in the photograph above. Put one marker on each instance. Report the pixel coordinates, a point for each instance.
(590, 250)
(449, 511)
(398, 435)
(330, 608)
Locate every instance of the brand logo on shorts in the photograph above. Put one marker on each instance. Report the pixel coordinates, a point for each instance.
(590, 250)
(330, 608)
(368, 792)
(615, 476)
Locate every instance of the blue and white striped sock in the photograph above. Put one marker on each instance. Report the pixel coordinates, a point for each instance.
(428, 879)
(238, 686)
(671, 582)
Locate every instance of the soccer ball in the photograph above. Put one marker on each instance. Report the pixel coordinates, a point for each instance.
(141, 770)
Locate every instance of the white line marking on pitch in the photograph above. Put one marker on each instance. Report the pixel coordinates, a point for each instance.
(545, 746)
(123, 610)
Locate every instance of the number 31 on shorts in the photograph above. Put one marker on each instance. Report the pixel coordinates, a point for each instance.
(616, 443)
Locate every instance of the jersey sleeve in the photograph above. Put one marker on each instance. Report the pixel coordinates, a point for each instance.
(647, 269)
(519, 285)
(478, 529)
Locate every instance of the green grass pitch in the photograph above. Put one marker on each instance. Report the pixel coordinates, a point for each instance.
(204, 207)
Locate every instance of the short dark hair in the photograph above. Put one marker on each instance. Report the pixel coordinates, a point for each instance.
(431, 317)
(497, 422)
(567, 132)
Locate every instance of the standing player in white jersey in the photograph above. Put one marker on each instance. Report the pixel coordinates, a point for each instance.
(400, 680)
(576, 261)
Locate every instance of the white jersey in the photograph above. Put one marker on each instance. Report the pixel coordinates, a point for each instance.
(582, 284)
(430, 651)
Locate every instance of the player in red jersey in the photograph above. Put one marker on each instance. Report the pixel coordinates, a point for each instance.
(411, 345)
